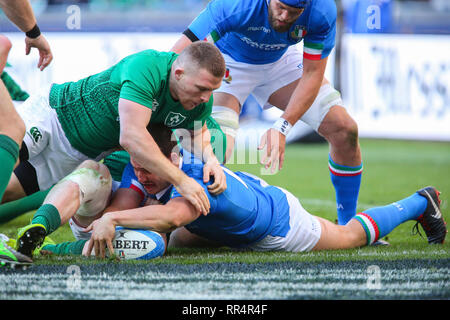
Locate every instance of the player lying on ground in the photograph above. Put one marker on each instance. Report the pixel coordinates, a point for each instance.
(249, 214)
(87, 119)
(258, 40)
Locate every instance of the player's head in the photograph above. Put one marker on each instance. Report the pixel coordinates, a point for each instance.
(283, 13)
(169, 147)
(196, 72)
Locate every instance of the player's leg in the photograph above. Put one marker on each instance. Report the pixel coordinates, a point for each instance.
(239, 81)
(345, 160)
(226, 112)
(12, 127)
(14, 209)
(367, 227)
(330, 119)
(183, 238)
(84, 194)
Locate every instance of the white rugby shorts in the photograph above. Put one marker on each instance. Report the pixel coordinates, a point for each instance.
(304, 233)
(50, 153)
(262, 80)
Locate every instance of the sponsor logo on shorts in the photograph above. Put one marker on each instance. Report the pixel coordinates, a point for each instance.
(36, 134)
(173, 119)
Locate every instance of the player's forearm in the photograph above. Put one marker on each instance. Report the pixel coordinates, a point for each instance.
(303, 97)
(146, 152)
(20, 13)
(202, 146)
(156, 218)
(182, 43)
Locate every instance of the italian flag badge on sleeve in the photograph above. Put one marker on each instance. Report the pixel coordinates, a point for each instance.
(312, 51)
(213, 37)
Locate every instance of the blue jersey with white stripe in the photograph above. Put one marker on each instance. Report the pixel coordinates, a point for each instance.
(241, 29)
(130, 181)
(246, 212)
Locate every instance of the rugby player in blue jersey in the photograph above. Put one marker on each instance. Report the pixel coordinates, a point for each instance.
(257, 39)
(250, 214)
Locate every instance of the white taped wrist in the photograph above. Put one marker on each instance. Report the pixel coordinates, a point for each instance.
(282, 125)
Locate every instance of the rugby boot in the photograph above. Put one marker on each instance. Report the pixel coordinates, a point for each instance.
(30, 238)
(431, 220)
(9, 256)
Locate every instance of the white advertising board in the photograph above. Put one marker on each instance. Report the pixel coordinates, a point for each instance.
(398, 86)
(78, 55)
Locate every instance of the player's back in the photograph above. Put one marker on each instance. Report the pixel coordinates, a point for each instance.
(247, 211)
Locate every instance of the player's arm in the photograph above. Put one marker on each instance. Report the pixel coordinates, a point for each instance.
(135, 138)
(306, 91)
(20, 13)
(181, 43)
(124, 199)
(178, 212)
(202, 149)
(160, 218)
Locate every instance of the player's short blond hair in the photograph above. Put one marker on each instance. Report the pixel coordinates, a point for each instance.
(203, 55)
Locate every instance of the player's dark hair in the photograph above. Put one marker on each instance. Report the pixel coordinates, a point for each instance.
(164, 138)
(205, 56)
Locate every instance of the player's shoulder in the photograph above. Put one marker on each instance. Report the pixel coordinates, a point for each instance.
(150, 57)
(323, 11)
(235, 6)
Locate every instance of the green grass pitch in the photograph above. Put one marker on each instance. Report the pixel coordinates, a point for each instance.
(407, 269)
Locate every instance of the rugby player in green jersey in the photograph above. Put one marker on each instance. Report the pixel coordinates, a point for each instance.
(87, 119)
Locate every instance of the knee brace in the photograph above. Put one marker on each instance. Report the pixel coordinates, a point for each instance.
(94, 188)
(227, 119)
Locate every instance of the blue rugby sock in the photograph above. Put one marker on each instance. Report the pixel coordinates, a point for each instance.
(380, 221)
(346, 181)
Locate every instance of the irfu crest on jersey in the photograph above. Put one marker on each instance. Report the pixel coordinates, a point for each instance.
(173, 119)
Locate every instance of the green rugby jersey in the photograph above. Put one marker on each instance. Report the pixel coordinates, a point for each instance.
(88, 109)
(15, 91)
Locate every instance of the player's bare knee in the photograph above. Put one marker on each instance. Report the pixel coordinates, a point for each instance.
(5, 47)
(90, 164)
(344, 133)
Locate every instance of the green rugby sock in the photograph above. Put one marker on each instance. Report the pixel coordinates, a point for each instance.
(13, 209)
(9, 152)
(48, 216)
(64, 248)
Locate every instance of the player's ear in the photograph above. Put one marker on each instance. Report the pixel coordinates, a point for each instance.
(175, 158)
(179, 73)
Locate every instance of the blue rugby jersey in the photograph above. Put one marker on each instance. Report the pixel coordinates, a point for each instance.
(129, 180)
(246, 212)
(241, 29)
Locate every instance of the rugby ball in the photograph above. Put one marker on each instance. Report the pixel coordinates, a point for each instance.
(136, 244)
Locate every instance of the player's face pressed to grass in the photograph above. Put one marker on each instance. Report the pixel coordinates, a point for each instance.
(193, 86)
(281, 16)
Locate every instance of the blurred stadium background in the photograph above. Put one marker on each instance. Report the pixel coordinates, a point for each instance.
(391, 60)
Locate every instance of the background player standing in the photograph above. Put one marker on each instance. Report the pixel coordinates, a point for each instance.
(257, 39)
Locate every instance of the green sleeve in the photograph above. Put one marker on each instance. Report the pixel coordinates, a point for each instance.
(204, 111)
(139, 84)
